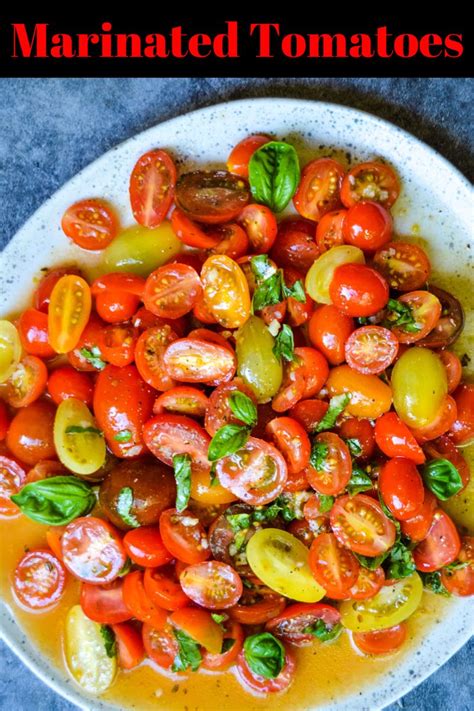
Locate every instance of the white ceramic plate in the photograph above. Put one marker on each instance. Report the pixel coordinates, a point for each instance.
(435, 203)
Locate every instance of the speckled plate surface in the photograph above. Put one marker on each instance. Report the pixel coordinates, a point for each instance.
(435, 208)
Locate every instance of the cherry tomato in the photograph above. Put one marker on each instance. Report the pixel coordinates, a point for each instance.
(453, 369)
(226, 542)
(66, 382)
(321, 274)
(359, 523)
(315, 370)
(117, 344)
(417, 528)
(43, 470)
(199, 625)
(117, 295)
(33, 331)
(295, 245)
(160, 643)
(357, 290)
(39, 580)
(367, 225)
(86, 354)
(450, 324)
(425, 309)
(30, 436)
(92, 550)
(462, 430)
(172, 290)
(12, 478)
(262, 684)
(368, 583)
(190, 233)
(297, 481)
(167, 435)
(43, 291)
(370, 181)
(105, 603)
(362, 431)
(151, 188)
(221, 662)
(404, 266)
(69, 311)
(440, 547)
(130, 648)
(191, 360)
(258, 366)
(149, 353)
(163, 587)
(371, 349)
(370, 397)
(318, 191)
(145, 547)
(226, 292)
(334, 470)
(329, 230)
(381, 641)
(183, 400)
(4, 420)
(123, 402)
(418, 400)
(211, 197)
(232, 240)
(290, 438)
(443, 448)
(53, 539)
(212, 584)
(333, 566)
(395, 439)
(295, 622)
(257, 605)
(91, 224)
(298, 312)
(443, 421)
(401, 488)
(27, 382)
(303, 377)
(309, 413)
(219, 413)
(329, 330)
(261, 226)
(144, 319)
(184, 536)
(460, 581)
(205, 334)
(240, 155)
(138, 601)
(206, 490)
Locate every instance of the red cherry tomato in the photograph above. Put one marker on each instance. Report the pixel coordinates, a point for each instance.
(298, 312)
(290, 438)
(221, 662)
(140, 603)
(190, 233)
(117, 296)
(256, 606)
(86, 355)
(232, 240)
(4, 420)
(66, 382)
(293, 623)
(182, 400)
(404, 266)
(160, 643)
(33, 331)
(117, 344)
(329, 330)
(261, 684)
(370, 181)
(212, 584)
(192, 360)
(368, 583)
(184, 536)
(91, 224)
(168, 435)
(417, 528)
(219, 413)
(292, 387)
(381, 641)
(130, 648)
(260, 224)
(240, 155)
(460, 581)
(440, 547)
(401, 488)
(48, 282)
(443, 448)
(172, 290)
(105, 603)
(450, 324)
(211, 197)
(39, 580)
(335, 568)
(316, 370)
(362, 431)
(309, 413)
(453, 369)
(43, 470)
(426, 311)
(92, 550)
(295, 245)
(151, 188)
(394, 438)
(27, 382)
(163, 587)
(357, 290)
(30, 435)
(144, 319)
(367, 225)
(444, 420)
(296, 482)
(371, 349)
(359, 523)
(329, 230)
(462, 430)
(149, 352)
(145, 547)
(12, 478)
(318, 191)
(334, 467)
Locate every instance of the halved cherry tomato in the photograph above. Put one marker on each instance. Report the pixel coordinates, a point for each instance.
(66, 382)
(298, 312)
(4, 420)
(183, 400)
(91, 224)
(450, 324)
(43, 291)
(206, 490)
(105, 603)
(357, 290)
(381, 641)
(219, 413)
(172, 290)
(92, 550)
(370, 397)
(417, 528)
(160, 643)
(12, 478)
(367, 225)
(221, 662)
(123, 402)
(405, 266)
(335, 568)
(167, 435)
(401, 488)
(30, 435)
(295, 245)
(144, 319)
(453, 369)
(318, 191)
(329, 330)
(295, 622)
(130, 648)
(316, 370)
(226, 542)
(33, 331)
(240, 155)
(184, 536)
(86, 354)
(145, 547)
(440, 547)
(163, 587)
(39, 580)
(151, 188)
(370, 181)
(149, 352)
(443, 448)
(309, 413)
(334, 471)
(443, 421)
(262, 684)
(296, 482)
(211, 197)
(371, 349)
(362, 431)
(205, 334)
(69, 311)
(329, 230)
(140, 603)
(195, 361)
(426, 310)
(257, 605)
(226, 292)
(292, 387)
(291, 440)
(117, 344)
(359, 523)
(190, 233)
(460, 581)
(462, 430)
(27, 382)
(261, 226)
(200, 626)
(394, 438)
(212, 584)
(232, 240)
(368, 583)
(256, 473)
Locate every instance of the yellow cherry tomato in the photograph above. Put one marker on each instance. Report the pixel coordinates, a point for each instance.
(257, 365)
(10, 349)
(86, 655)
(206, 493)
(141, 250)
(321, 273)
(226, 291)
(79, 444)
(370, 397)
(280, 560)
(69, 311)
(419, 384)
(390, 606)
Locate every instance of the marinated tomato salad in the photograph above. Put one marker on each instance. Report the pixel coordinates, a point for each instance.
(239, 437)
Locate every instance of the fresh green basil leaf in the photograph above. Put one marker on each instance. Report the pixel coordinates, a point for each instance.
(442, 478)
(322, 631)
(359, 481)
(401, 315)
(239, 521)
(325, 502)
(456, 565)
(337, 404)
(227, 440)
(284, 344)
(268, 292)
(319, 453)
(214, 481)
(125, 569)
(124, 507)
(264, 654)
(218, 618)
(55, 501)
(227, 643)
(399, 562)
(265, 514)
(432, 581)
(189, 656)
(94, 357)
(239, 542)
(77, 429)
(296, 291)
(355, 447)
(123, 436)
(182, 475)
(371, 563)
(243, 408)
(274, 174)
(261, 267)
(109, 641)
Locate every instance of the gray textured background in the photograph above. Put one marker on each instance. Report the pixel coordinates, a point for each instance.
(51, 128)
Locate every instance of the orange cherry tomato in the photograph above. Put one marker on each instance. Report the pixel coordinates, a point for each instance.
(212, 584)
(334, 567)
(160, 643)
(295, 245)
(260, 225)
(182, 400)
(443, 422)
(149, 352)
(226, 292)
(462, 430)
(4, 420)
(453, 369)
(329, 230)
(172, 290)
(292, 387)
(334, 471)
(318, 191)
(401, 488)
(381, 641)
(426, 311)
(234, 633)
(27, 382)
(440, 547)
(367, 225)
(370, 181)
(232, 240)
(371, 349)
(91, 224)
(39, 580)
(184, 536)
(404, 266)
(43, 291)
(69, 311)
(359, 523)
(167, 435)
(151, 188)
(200, 626)
(130, 648)
(357, 290)
(145, 547)
(368, 583)
(92, 550)
(329, 330)
(12, 478)
(53, 539)
(163, 587)
(370, 397)
(66, 382)
(395, 439)
(190, 233)
(105, 603)
(290, 438)
(460, 581)
(117, 344)
(33, 331)
(417, 528)
(192, 360)
(240, 155)
(309, 413)
(218, 412)
(30, 436)
(361, 430)
(139, 603)
(211, 197)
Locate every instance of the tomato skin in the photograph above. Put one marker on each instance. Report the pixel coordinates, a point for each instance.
(316, 370)
(336, 469)
(290, 624)
(394, 438)
(33, 331)
(162, 586)
(152, 184)
(417, 528)
(440, 547)
(149, 352)
(182, 400)
(104, 603)
(240, 155)
(130, 648)
(91, 224)
(211, 197)
(43, 291)
(219, 413)
(367, 225)
(461, 582)
(329, 231)
(417, 401)
(200, 626)
(226, 291)
(318, 191)
(368, 583)
(27, 382)
(359, 523)
(292, 387)
(221, 662)
(363, 432)
(122, 401)
(371, 349)
(92, 550)
(12, 478)
(370, 396)
(453, 369)
(462, 430)
(291, 439)
(70, 296)
(262, 685)
(139, 602)
(329, 330)
(65, 382)
(405, 266)
(89, 340)
(357, 290)
(39, 580)
(450, 324)
(298, 312)
(257, 608)
(212, 584)
(4, 420)
(295, 245)
(145, 547)
(232, 240)
(309, 413)
(184, 536)
(443, 421)
(260, 224)
(426, 310)
(370, 181)
(30, 435)
(117, 344)
(160, 643)
(191, 360)
(401, 488)
(172, 290)
(381, 641)
(190, 233)
(168, 435)
(334, 567)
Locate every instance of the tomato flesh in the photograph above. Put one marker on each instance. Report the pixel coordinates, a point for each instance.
(212, 584)
(335, 568)
(359, 523)
(39, 580)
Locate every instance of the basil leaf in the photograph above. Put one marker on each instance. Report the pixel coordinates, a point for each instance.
(77, 429)
(123, 436)
(457, 565)
(296, 291)
(322, 631)
(109, 641)
(442, 478)
(214, 481)
(227, 440)
(319, 453)
(243, 407)
(371, 563)
(239, 521)
(401, 315)
(261, 267)
(188, 655)
(267, 513)
(284, 344)
(268, 292)
(274, 174)
(125, 569)
(94, 357)
(264, 654)
(336, 405)
(182, 475)
(55, 501)
(124, 507)
(432, 581)
(359, 481)
(400, 563)
(325, 502)
(219, 619)
(227, 643)
(355, 447)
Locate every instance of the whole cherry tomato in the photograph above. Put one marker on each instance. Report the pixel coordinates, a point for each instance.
(105, 603)
(65, 382)
(191, 233)
(33, 330)
(401, 488)
(381, 641)
(367, 225)
(184, 536)
(240, 155)
(145, 547)
(357, 290)
(417, 528)
(462, 430)
(163, 587)
(117, 295)
(309, 413)
(329, 330)
(362, 431)
(30, 435)
(117, 344)
(295, 245)
(394, 438)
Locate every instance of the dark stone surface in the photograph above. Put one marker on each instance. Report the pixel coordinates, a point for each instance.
(51, 128)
